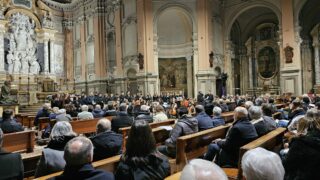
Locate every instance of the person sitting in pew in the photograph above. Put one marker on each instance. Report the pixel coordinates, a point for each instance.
(10, 124)
(160, 115)
(185, 125)
(217, 120)
(85, 115)
(262, 125)
(204, 121)
(141, 160)
(43, 112)
(110, 111)
(303, 158)
(11, 163)
(78, 155)
(144, 114)
(259, 163)
(63, 116)
(106, 143)
(97, 112)
(240, 133)
(199, 169)
(51, 160)
(122, 119)
(54, 113)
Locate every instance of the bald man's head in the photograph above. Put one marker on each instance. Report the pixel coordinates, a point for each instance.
(78, 151)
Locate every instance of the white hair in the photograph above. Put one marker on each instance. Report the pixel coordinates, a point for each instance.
(202, 169)
(255, 112)
(103, 125)
(261, 164)
(61, 128)
(248, 104)
(241, 112)
(217, 111)
(84, 108)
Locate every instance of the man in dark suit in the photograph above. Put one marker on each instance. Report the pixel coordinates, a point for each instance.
(240, 133)
(106, 143)
(78, 154)
(122, 119)
(11, 163)
(204, 121)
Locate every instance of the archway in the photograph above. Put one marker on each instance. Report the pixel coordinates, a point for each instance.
(174, 28)
(253, 41)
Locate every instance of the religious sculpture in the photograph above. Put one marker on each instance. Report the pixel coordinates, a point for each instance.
(5, 94)
(22, 46)
(140, 61)
(288, 54)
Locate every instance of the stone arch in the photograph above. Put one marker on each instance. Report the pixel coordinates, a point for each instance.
(243, 8)
(27, 13)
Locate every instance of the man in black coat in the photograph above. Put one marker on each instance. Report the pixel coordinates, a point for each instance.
(78, 154)
(122, 119)
(240, 133)
(204, 121)
(11, 163)
(8, 123)
(106, 143)
(144, 114)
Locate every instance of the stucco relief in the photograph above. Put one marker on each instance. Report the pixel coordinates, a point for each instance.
(21, 57)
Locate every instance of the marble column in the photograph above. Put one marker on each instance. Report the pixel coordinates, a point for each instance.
(316, 35)
(249, 47)
(317, 63)
(46, 56)
(189, 76)
(2, 31)
(52, 57)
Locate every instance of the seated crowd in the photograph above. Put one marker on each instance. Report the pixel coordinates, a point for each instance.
(141, 158)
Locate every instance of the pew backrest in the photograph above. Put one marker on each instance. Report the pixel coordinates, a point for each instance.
(109, 164)
(271, 141)
(194, 145)
(43, 122)
(125, 131)
(84, 126)
(228, 117)
(19, 141)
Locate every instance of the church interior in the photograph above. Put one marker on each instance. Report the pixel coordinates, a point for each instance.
(160, 89)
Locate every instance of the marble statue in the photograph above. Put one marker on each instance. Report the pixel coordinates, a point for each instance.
(10, 62)
(5, 94)
(22, 46)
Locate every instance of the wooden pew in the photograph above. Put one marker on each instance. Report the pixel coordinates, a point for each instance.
(43, 122)
(109, 164)
(85, 126)
(195, 145)
(19, 141)
(125, 131)
(271, 141)
(228, 116)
